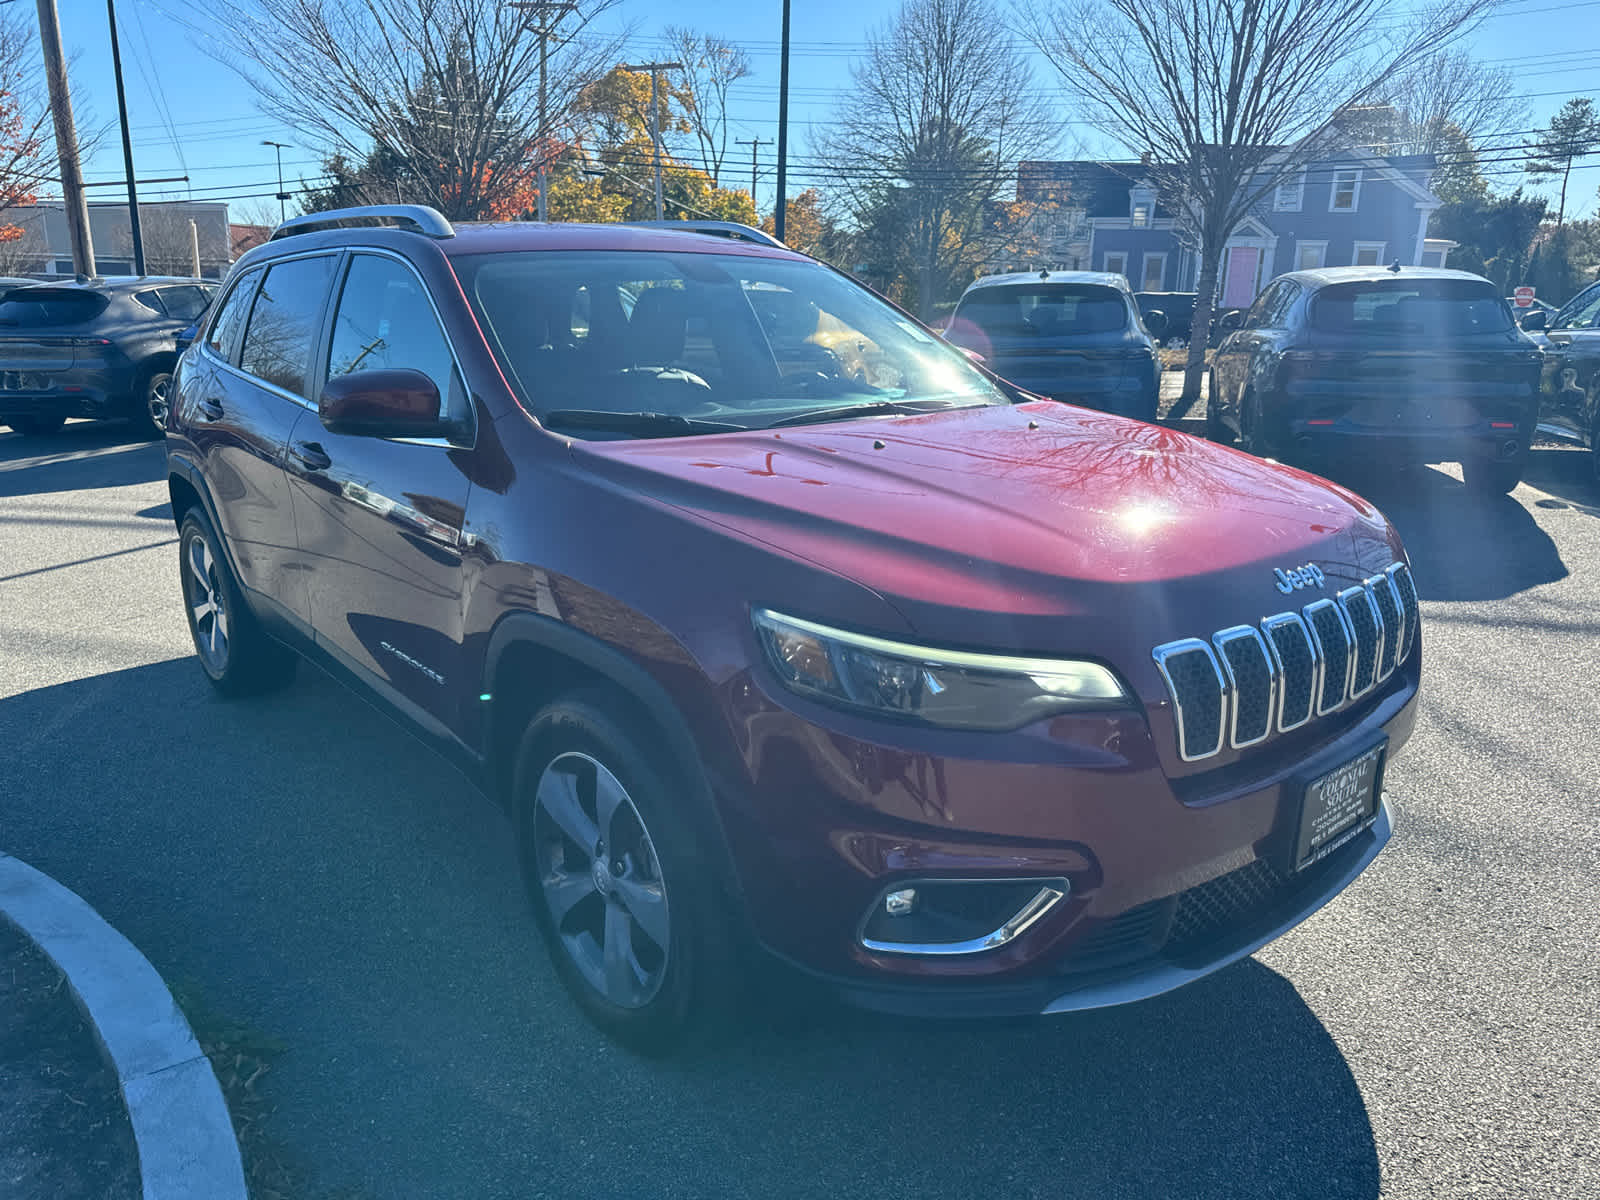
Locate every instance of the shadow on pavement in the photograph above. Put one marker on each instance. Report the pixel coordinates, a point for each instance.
(1463, 546)
(82, 455)
(1567, 472)
(324, 879)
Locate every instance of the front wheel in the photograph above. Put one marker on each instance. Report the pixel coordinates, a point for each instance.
(621, 890)
(1491, 478)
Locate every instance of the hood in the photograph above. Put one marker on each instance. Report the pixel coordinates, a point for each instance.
(1025, 527)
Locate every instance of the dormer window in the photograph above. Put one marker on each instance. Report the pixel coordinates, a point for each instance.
(1141, 206)
(1141, 215)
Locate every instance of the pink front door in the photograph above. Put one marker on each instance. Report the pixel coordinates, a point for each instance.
(1239, 287)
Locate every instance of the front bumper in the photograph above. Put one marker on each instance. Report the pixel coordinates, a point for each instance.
(1170, 878)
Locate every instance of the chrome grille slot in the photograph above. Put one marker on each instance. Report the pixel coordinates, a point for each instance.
(1362, 612)
(1406, 588)
(1335, 641)
(1247, 682)
(1252, 684)
(1299, 668)
(1199, 696)
(1383, 595)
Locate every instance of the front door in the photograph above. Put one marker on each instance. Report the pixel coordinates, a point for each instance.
(1571, 383)
(381, 520)
(1239, 287)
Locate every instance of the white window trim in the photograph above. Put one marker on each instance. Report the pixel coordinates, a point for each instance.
(1144, 269)
(1380, 247)
(1121, 256)
(1297, 183)
(1333, 191)
(1322, 254)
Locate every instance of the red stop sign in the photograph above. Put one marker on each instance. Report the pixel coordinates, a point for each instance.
(1524, 297)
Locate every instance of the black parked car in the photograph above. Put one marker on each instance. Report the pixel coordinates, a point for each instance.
(1177, 314)
(1399, 365)
(1570, 389)
(101, 348)
(1075, 336)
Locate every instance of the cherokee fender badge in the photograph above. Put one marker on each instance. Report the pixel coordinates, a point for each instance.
(1296, 578)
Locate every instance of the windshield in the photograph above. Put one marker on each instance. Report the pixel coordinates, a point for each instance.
(1038, 312)
(745, 341)
(1411, 308)
(35, 307)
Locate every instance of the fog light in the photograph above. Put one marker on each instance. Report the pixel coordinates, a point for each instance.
(901, 903)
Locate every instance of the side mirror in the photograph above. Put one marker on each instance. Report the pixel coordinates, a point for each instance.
(391, 403)
(1537, 319)
(1156, 322)
(1231, 320)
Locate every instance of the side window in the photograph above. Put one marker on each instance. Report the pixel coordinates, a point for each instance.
(283, 322)
(1580, 313)
(1261, 311)
(1278, 314)
(225, 328)
(186, 301)
(386, 321)
(151, 300)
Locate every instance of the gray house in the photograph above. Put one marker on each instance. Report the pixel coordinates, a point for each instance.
(1357, 209)
(44, 249)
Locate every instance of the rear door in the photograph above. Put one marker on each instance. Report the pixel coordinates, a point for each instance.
(1571, 379)
(380, 521)
(240, 410)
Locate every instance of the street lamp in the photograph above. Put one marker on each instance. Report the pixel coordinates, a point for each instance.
(279, 148)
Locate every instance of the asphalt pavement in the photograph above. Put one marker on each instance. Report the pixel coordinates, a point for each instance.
(302, 867)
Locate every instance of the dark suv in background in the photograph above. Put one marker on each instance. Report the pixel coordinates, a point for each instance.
(784, 631)
(101, 348)
(1392, 365)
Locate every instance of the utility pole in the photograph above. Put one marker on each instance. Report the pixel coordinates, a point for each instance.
(283, 196)
(781, 210)
(655, 69)
(127, 144)
(752, 143)
(66, 139)
(549, 16)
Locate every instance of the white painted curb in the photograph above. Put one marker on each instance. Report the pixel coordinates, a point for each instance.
(180, 1123)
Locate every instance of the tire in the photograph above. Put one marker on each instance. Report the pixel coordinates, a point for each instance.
(153, 396)
(237, 655)
(36, 426)
(1216, 431)
(1489, 477)
(632, 921)
(1250, 439)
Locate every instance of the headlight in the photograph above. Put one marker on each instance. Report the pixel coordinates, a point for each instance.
(951, 688)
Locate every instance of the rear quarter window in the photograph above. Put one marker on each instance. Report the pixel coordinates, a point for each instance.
(37, 308)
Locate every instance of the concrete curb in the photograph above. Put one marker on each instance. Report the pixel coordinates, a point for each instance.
(180, 1122)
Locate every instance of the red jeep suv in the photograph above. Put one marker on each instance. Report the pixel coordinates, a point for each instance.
(783, 630)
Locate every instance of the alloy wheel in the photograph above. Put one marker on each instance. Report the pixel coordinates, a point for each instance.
(601, 880)
(157, 400)
(206, 605)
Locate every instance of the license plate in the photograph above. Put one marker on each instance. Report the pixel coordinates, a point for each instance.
(1337, 806)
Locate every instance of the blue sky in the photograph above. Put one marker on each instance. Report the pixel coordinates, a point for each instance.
(192, 115)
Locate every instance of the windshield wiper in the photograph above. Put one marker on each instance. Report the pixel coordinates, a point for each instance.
(843, 412)
(641, 424)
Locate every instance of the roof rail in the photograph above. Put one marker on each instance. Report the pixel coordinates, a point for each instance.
(727, 229)
(418, 217)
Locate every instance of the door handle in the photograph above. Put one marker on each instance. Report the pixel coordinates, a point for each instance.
(311, 455)
(210, 409)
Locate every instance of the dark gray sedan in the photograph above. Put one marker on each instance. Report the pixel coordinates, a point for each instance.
(101, 348)
(1395, 365)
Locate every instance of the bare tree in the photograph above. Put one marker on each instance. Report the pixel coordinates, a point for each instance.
(711, 65)
(27, 145)
(169, 242)
(943, 109)
(1230, 97)
(1451, 89)
(442, 91)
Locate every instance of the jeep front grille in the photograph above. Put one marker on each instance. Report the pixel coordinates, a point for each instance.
(1246, 682)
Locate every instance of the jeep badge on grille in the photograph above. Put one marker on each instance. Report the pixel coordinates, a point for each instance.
(1299, 577)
